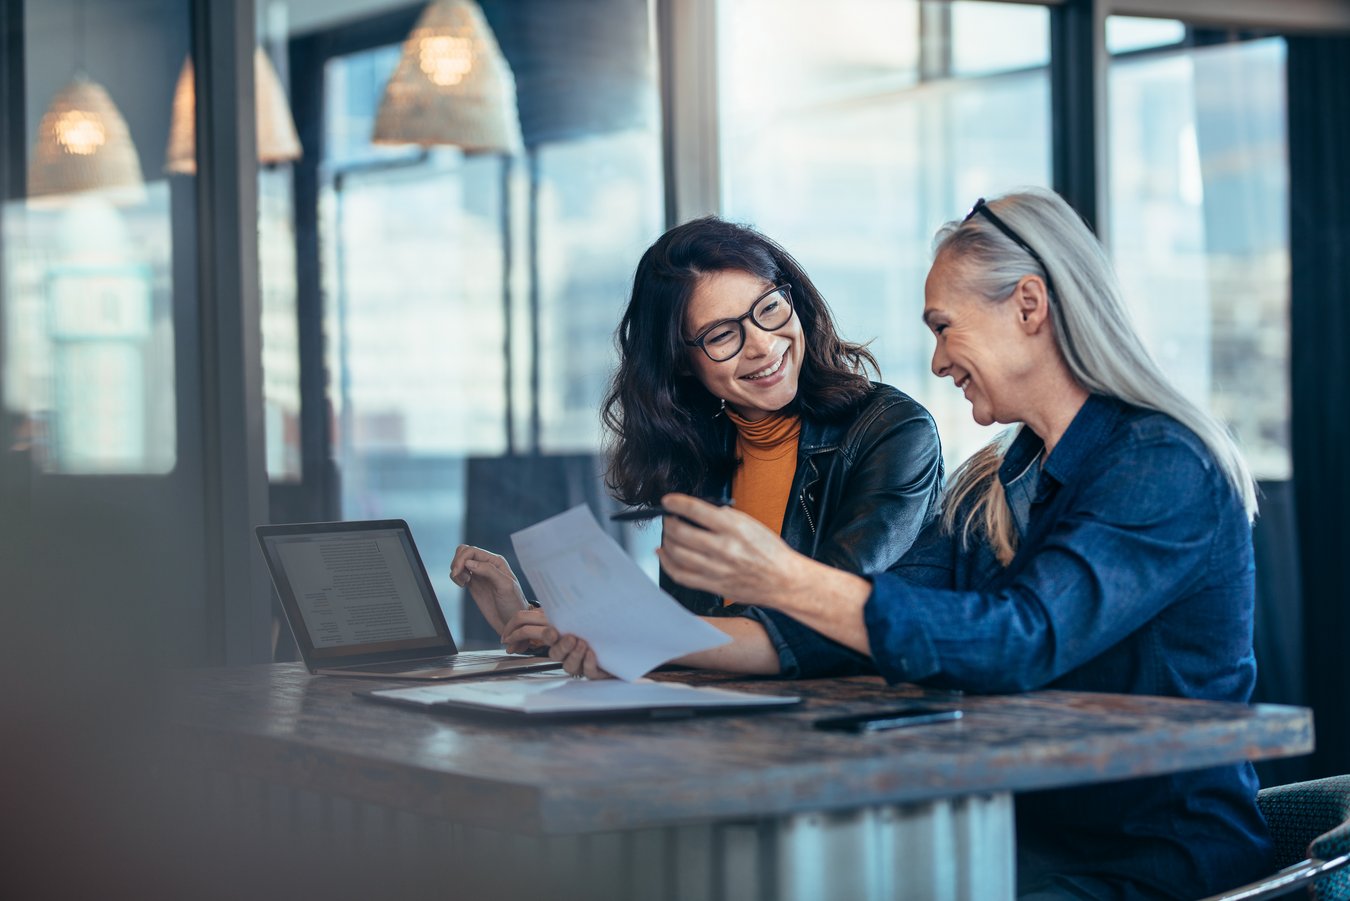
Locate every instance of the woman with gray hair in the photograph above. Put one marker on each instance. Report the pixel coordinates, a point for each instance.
(1104, 546)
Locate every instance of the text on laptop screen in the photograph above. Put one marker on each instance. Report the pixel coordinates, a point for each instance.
(356, 588)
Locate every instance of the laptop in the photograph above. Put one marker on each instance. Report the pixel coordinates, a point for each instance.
(359, 603)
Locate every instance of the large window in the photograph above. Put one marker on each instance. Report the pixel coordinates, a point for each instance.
(596, 217)
(1199, 224)
(850, 133)
(851, 136)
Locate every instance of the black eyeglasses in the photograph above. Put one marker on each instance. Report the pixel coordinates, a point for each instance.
(724, 339)
(983, 209)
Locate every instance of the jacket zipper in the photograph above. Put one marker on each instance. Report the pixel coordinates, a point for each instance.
(801, 498)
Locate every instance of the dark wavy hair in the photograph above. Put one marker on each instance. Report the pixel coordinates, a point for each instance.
(664, 431)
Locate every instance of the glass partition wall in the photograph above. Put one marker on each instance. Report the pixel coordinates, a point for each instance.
(1199, 219)
(100, 348)
(461, 300)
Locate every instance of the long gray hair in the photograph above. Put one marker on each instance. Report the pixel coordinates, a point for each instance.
(1092, 329)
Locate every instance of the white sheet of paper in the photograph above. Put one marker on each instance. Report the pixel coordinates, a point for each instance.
(568, 695)
(590, 588)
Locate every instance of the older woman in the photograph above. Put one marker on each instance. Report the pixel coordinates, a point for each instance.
(1105, 547)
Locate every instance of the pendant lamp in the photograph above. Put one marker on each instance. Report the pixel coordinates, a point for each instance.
(277, 138)
(452, 85)
(83, 144)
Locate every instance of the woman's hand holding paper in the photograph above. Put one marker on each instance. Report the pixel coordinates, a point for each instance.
(530, 629)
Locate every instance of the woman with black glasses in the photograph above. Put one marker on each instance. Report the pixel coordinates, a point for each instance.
(1104, 545)
(733, 383)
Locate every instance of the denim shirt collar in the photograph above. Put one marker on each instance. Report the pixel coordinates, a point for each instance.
(1081, 440)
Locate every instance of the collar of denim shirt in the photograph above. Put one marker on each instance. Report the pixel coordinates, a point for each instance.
(1085, 435)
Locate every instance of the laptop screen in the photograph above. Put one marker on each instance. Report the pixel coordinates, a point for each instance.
(356, 588)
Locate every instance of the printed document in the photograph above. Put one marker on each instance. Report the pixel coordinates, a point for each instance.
(590, 588)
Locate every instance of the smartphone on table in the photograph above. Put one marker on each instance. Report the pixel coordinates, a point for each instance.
(884, 720)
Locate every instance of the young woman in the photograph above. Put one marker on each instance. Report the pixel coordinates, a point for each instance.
(733, 383)
(1107, 547)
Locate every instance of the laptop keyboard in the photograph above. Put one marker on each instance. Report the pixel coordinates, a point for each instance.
(456, 662)
(475, 658)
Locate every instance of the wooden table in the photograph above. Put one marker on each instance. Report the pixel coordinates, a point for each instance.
(749, 806)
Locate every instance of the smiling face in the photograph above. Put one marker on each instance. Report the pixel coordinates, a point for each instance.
(762, 378)
(984, 347)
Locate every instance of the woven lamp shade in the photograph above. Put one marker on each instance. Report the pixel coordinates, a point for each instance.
(452, 85)
(277, 139)
(83, 144)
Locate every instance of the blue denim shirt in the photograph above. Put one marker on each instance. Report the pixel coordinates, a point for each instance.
(1133, 574)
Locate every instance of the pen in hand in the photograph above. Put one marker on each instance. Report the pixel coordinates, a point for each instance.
(637, 514)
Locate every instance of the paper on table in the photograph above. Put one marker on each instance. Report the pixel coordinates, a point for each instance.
(590, 588)
(567, 695)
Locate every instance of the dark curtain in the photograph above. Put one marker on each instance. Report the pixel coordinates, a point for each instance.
(1319, 240)
(1279, 618)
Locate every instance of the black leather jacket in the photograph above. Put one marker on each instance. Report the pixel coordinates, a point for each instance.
(864, 487)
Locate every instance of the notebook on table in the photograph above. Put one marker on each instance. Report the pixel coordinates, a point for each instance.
(359, 603)
(541, 696)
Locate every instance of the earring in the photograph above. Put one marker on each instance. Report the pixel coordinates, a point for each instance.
(721, 409)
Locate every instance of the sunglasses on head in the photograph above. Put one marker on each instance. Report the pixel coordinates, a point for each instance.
(983, 209)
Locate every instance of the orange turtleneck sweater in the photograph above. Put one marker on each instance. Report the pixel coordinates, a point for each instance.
(767, 449)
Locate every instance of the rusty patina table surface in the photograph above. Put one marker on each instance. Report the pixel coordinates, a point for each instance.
(280, 724)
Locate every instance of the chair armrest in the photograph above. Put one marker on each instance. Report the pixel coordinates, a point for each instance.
(1300, 813)
(1335, 845)
(1304, 873)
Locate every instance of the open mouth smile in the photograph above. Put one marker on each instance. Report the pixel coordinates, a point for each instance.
(766, 371)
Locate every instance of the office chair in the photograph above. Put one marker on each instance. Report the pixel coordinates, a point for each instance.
(504, 494)
(1310, 825)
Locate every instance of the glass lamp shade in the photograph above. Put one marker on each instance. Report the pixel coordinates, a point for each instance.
(83, 144)
(277, 138)
(452, 85)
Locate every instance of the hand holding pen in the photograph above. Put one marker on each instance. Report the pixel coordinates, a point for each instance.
(497, 593)
(489, 580)
(639, 514)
